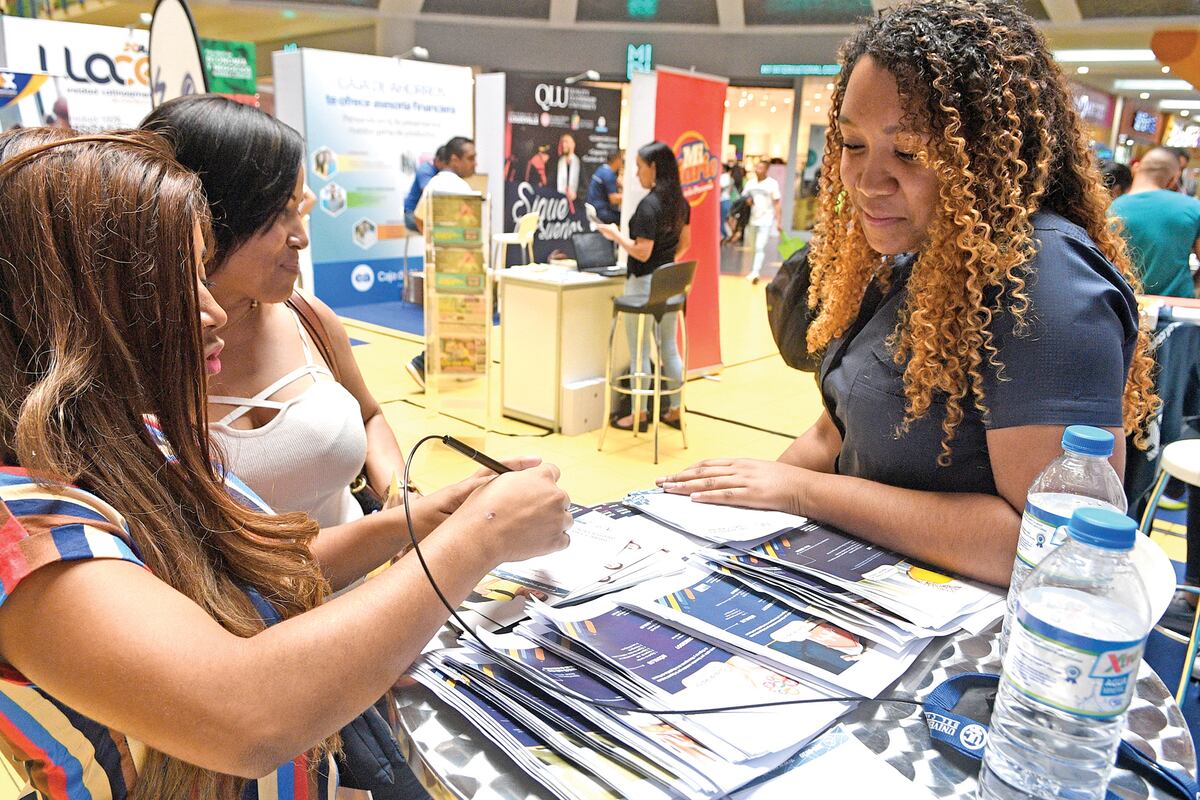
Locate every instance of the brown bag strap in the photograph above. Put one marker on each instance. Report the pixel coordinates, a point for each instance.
(316, 330)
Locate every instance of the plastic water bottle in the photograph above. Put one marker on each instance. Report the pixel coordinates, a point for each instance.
(1072, 662)
(1079, 478)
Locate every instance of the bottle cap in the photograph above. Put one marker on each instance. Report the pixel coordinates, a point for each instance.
(1103, 527)
(1087, 440)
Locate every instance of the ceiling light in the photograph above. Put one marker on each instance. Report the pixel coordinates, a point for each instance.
(817, 96)
(741, 103)
(829, 87)
(1144, 95)
(287, 13)
(1166, 70)
(772, 109)
(1184, 113)
(807, 104)
(727, 104)
(1152, 85)
(1176, 105)
(787, 99)
(750, 96)
(816, 109)
(1083, 70)
(146, 17)
(1076, 56)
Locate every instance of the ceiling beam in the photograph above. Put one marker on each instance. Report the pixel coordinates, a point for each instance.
(1063, 10)
(731, 15)
(562, 12)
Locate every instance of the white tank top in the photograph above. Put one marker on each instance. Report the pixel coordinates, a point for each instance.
(304, 458)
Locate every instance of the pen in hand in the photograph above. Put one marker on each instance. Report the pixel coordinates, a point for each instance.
(476, 456)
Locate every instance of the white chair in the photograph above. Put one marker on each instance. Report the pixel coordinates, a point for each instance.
(522, 237)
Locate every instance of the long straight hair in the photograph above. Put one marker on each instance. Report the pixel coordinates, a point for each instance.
(666, 182)
(100, 326)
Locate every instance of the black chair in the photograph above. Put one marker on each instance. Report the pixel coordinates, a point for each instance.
(669, 288)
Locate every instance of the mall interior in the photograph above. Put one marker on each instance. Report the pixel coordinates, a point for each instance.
(855, 275)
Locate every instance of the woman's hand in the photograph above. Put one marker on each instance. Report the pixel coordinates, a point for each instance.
(518, 515)
(435, 508)
(746, 482)
(610, 232)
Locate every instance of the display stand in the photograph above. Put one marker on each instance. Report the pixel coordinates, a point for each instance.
(458, 308)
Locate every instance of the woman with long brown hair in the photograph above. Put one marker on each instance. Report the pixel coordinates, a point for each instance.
(972, 298)
(139, 586)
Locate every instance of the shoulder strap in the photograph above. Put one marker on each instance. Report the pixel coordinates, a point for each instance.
(316, 330)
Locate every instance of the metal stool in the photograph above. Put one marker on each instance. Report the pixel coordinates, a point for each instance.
(669, 288)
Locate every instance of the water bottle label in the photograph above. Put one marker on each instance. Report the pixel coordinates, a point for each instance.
(1068, 671)
(1041, 532)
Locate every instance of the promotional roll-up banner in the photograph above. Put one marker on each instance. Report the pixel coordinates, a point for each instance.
(101, 74)
(556, 137)
(686, 111)
(176, 65)
(230, 67)
(368, 123)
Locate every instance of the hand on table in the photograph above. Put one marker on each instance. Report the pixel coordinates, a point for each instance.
(746, 482)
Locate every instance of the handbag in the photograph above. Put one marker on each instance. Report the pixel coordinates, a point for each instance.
(789, 313)
(360, 487)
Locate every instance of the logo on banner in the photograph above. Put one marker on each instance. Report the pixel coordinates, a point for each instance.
(699, 169)
(362, 278)
(129, 67)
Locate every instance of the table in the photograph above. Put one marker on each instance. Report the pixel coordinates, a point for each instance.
(448, 754)
(554, 333)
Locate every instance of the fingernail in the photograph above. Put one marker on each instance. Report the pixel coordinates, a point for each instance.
(668, 486)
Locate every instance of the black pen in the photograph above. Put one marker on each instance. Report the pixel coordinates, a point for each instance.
(476, 456)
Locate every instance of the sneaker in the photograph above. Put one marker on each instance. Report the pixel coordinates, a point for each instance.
(1179, 615)
(1170, 504)
(753, 277)
(416, 372)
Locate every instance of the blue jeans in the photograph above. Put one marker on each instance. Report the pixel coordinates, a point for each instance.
(725, 206)
(672, 364)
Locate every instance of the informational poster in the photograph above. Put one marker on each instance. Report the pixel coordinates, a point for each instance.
(26, 99)
(102, 74)
(368, 123)
(556, 135)
(230, 66)
(457, 308)
(686, 111)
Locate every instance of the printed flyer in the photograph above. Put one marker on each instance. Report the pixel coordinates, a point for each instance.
(557, 135)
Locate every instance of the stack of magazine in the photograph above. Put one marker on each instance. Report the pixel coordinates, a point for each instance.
(661, 606)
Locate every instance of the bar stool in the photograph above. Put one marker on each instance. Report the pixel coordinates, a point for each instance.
(527, 227)
(669, 288)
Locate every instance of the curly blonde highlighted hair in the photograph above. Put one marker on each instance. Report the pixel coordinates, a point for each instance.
(1005, 143)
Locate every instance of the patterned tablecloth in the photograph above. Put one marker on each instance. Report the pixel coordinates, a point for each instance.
(456, 761)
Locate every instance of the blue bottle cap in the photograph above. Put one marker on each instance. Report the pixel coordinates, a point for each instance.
(1102, 527)
(1088, 441)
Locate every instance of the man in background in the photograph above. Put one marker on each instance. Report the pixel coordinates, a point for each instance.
(1160, 225)
(458, 164)
(424, 174)
(604, 193)
(766, 214)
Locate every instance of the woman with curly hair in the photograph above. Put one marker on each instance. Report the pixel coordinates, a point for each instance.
(972, 299)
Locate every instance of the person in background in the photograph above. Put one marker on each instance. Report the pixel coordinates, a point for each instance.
(296, 435)
(1117, 177)
(766, 214)
(421, 178)
(660, 232)
(727, 198)
(152, 587)
(739, 207)
(1160, 225)
(458, 164)
(604, 190)
(567, 169)
(1185, 157)
(973, 298)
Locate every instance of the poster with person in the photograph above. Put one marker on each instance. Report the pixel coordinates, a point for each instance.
(557, 136)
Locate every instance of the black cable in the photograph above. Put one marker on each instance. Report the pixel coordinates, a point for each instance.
(558, 689)
(742, 424)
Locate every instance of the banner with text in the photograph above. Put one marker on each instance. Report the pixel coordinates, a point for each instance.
(230, 66)
(368, 123)
(556, 136)
(689, 111)
(102, 74)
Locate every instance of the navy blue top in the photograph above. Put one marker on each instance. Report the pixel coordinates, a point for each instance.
(1069, 367)
(603, 183)
(424, 174)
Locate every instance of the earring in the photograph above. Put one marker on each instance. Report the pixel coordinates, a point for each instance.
(253, 304)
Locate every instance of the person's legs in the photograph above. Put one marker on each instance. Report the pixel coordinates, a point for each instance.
(725, 204)
(672, 362)
(638, 286)
(761, 234)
